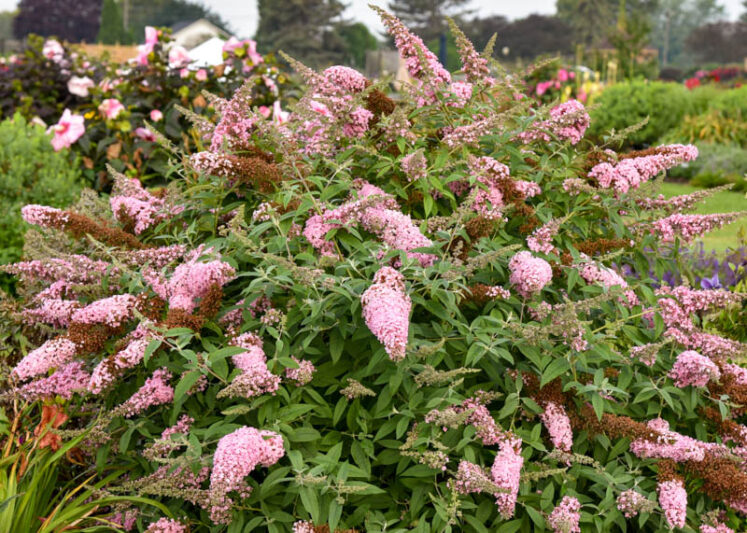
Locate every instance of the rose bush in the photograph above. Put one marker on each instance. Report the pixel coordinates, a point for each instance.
(388, 315)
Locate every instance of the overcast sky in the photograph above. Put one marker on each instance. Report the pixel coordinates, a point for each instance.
(242, 14)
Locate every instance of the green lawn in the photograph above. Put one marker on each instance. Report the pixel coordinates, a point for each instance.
(722, 202)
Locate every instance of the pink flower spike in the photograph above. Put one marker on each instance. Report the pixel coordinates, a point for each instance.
(386, 310)
(236, 456)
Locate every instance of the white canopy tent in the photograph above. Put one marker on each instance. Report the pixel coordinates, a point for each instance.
(207, 54)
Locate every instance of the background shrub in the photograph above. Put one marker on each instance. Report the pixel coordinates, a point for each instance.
(628, 103)
(30, 172)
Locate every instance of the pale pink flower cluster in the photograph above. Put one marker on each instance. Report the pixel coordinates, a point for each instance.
(155, 257)
(715, 528)
(301, 375)
(691, 368)
(131, 200)
(528, 188)
(631, 502)
(506, 473)
(414, 165)
(715, 346)
(255, 378)
(155, 391)
(487, 430)
(377, 212)
(74, 269)
(645, 353)
(386, 310)
(108, 370)
(631, 173)
(66, 380)
(469, 134)
(52, 354)
(126, 519)
(558, 425)
(470, 478)
(689, 227)
(53, 311)
(541, 239)
(474, 66)
(461, 92)
(181, 427)
(189, 282)
(497, 291)
(593, 272)
(668, 445)
(486, 194)
(574, 185)
(68, 129)
(673, 501)
(303, 527)
(411, 49)
(166, 525)
(112, 311)
(564, 518)
(359, 120)
(676, 313)
(340, 80)
(236, 456)
(529, 274)
(568, 122)
(236, 122)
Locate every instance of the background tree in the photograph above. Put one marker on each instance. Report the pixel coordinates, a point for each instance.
(720, 42)
(142, 13)
(112, 29)
(72, 21)
(525, 38)
(630, 37)
(589, 20)
(306, 29)
(426, 17)
(674, 20)
(358, 40)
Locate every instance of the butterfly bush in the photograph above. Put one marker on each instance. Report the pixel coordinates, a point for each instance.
(367, 313)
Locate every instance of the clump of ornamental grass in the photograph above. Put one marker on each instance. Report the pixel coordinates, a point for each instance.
(389, 313)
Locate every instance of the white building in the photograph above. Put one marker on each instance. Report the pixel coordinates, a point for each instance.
(190, 34)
